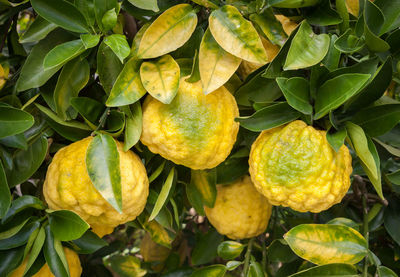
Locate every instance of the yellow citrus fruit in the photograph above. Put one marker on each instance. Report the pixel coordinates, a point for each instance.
(246, 67)
(68, 186)
(294, 166)
(194, 130)
(240, 211)
(74, 266)
(154, 252)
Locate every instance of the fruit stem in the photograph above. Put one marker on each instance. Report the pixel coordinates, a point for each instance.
(247, 257)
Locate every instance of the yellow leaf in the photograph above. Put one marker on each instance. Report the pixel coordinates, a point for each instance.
(161, 78)
(168, 32)
(158, 233)
(236, 35)
(353, 7)
(216, 65)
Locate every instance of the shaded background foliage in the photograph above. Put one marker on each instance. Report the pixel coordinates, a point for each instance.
(63, 65)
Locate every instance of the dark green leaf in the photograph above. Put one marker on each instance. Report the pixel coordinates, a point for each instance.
(342, 270)
(63, 53)
(38, 30)
(349, 43)
(145, 4)
(373, 22)
(292, 3)
(391, 12)
(89, 243)
(5, 195)
(133, 126)
(297, 93)
(53, 259)
(67, 225)
(279, 251)
(61, 13)
(205, 183)
(336, 138)
(269, 117)
(394, 177)
(10, 260)
(205, 249)
(102, 164)
(86, 7)
(383, 271)
(392, 220)
(255, 270)
(22, 203)
(90, 109)
(323, 15)
(108, 67)
(229, 250)
(14, 121)
(162, 197)
(21, 237)
(16, 141)
(36, 248)
(336, 91)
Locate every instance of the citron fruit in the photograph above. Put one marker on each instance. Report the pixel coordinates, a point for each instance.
(68, 186)
(154, 252)
(294, 166)
(74, 266)
(194, 130)
(240, 211)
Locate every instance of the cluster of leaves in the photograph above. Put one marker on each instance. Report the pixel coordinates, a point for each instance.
(72, 68)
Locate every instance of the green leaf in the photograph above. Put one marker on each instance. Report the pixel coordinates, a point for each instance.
(87, 9)
(210, 271)
(33, 74)
(10, 260)
(345, 222)
(394, 177)
(5, 195)
(392, 222)
(21, 237)
(349, 43)
(229, 250)
(125, 266)
(292, 3)
(22, 203)
(269, 117)
(109, 19)
(215, 64)
(16, 141)
(297, 93)
(323, 15)
(118, 45)
(157, 232)
(73, 77)
(236, 35)
(13, 229)
(161, 78)
(145, 4)
(162, 197)
(91, 110)
(51, 255)
(168, 32)
(128, 87)
(108, 67)
(332, 270)
(384, 118)
(255, 270)
(133, 127)
(307, 48)
(325, 244)
(26, 162)
(89, 243)
(101, 7)
(205, 182)
(336, 138)
(67, 225)
(205, 249)
(14, 121)
(63, 53)
(90, 41)
(270, 26)
(336, 91)
(383, 271)
(38, 30)
(373, 22)
(332, 59)
(36, 248)
(103, 167)
(279, 251)
(391, 12)
(61, 13)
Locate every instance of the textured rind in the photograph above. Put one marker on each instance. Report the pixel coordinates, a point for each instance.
(195, 130)
(294, 166)
(74, 266)
(68, 186)
(240, 211)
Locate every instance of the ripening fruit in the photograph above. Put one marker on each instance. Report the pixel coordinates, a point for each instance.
(68, 186)
(194, 130)
(294, 166)
(74, 266)
(240, 211)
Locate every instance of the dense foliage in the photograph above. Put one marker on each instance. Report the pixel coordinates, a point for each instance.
(74, 68)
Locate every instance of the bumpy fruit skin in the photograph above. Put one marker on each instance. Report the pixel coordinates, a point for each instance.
(294, 166)
(194, 130)
(154, 252)
(68, 186)
(240, 211)
(74, 265)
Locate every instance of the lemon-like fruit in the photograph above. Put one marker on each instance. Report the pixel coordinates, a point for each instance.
(74, 266)
(294, 166)
(194, 130)
(68, 186)
(240, 211)
(154, 252)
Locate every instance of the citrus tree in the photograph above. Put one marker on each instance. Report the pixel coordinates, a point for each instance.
(199, 138)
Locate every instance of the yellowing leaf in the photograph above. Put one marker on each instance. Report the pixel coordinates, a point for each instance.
(237, 35)
(327, 244)
(161, 78)
(353, 7)
(157, 233)
(205, 183)
(216, 65)
(127, 88)
(168, 32)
